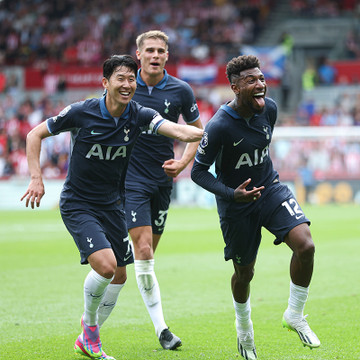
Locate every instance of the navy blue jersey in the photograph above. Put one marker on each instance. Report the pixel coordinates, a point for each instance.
(171, 97)
(100, 148)
(240, 150)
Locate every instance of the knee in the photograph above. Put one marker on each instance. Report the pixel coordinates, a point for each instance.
(107, 269)
(143, 250)
(244, 276)
(306, 252)
(306, 248)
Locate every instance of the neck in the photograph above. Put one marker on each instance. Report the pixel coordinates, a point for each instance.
(151, 80)
(244, 113)
(115, 110)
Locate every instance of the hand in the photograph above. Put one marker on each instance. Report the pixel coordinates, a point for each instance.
(173, 167)
(243, 195)
(34, 193)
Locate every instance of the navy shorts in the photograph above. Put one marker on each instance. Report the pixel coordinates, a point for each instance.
(147, 205)
(277, 210)
(94, 229)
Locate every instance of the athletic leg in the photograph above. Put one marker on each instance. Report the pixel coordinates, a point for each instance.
(145, 276)
(112, 292)
(240, 285)
(148, 285)
(103, 265)
(301, 268)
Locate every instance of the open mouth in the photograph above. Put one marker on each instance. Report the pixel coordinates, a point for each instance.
(260, 98)
(125, 93)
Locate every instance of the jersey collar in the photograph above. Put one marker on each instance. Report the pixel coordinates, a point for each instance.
(105, 113)
(230, 111)
(233, 113)
(160, 85)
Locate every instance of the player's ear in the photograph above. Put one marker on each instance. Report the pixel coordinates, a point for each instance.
(105, 82)
(137, 54)
(234, 88)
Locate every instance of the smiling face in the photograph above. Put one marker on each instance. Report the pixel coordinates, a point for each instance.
(120, 88)
(250, 89)
(153, 55)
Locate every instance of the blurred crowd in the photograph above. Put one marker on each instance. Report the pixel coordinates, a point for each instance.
(16, 120)
(344, 111)
(332, 9)
(322, 8)
(34, 32)
(331, 158)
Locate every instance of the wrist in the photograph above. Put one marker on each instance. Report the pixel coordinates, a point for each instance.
(36, 177)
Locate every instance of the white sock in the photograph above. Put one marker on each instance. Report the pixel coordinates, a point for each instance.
(150, 292)
(94, 289)
(108, 302)
(297, 299)
(243, 315)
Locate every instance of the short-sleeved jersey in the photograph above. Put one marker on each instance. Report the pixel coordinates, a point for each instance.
(239, 147)
(100, 148)
(171, 97)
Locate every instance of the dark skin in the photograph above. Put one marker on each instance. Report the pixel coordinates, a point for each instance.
(250, 89)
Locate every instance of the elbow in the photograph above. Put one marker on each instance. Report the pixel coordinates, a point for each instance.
(194, 136)
(199, 134)
(30, 136)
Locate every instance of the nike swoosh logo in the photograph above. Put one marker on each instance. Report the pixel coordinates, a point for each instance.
(94, 295)
(149, 289)
(110, 304)
(95, 133)
(237, 143)
(127, 257)
(297, 217)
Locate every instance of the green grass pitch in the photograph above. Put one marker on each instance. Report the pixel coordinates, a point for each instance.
(41, 298)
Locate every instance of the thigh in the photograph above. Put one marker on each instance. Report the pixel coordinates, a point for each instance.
(86, 228)
(242, 238)
(159, 209)
(117, 233)
(138, 207)
(281, 212)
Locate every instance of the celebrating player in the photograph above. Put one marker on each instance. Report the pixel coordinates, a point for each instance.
(103, 132)
(250, 196)
(150, 173)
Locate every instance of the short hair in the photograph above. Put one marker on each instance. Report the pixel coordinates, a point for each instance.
(238, 64)
(152, 34)
(111, 64)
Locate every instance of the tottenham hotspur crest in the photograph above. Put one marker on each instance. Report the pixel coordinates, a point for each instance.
(126, 131)
(167, 104)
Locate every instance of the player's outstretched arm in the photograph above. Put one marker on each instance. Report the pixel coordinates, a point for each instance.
(243, 195)
(180, 132)
(36, 189)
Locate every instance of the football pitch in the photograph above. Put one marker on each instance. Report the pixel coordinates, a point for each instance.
(41, 297)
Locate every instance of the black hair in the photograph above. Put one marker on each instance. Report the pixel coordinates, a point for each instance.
(115, 61)
(238, 64)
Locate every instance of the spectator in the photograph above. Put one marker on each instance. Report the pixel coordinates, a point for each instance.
(326, 72)
(309, 77)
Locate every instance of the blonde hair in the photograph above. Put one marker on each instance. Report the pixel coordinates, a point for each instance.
(152, 34)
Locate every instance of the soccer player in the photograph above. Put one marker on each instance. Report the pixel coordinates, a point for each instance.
(103, 132)
(151, 170)
(250, 196)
